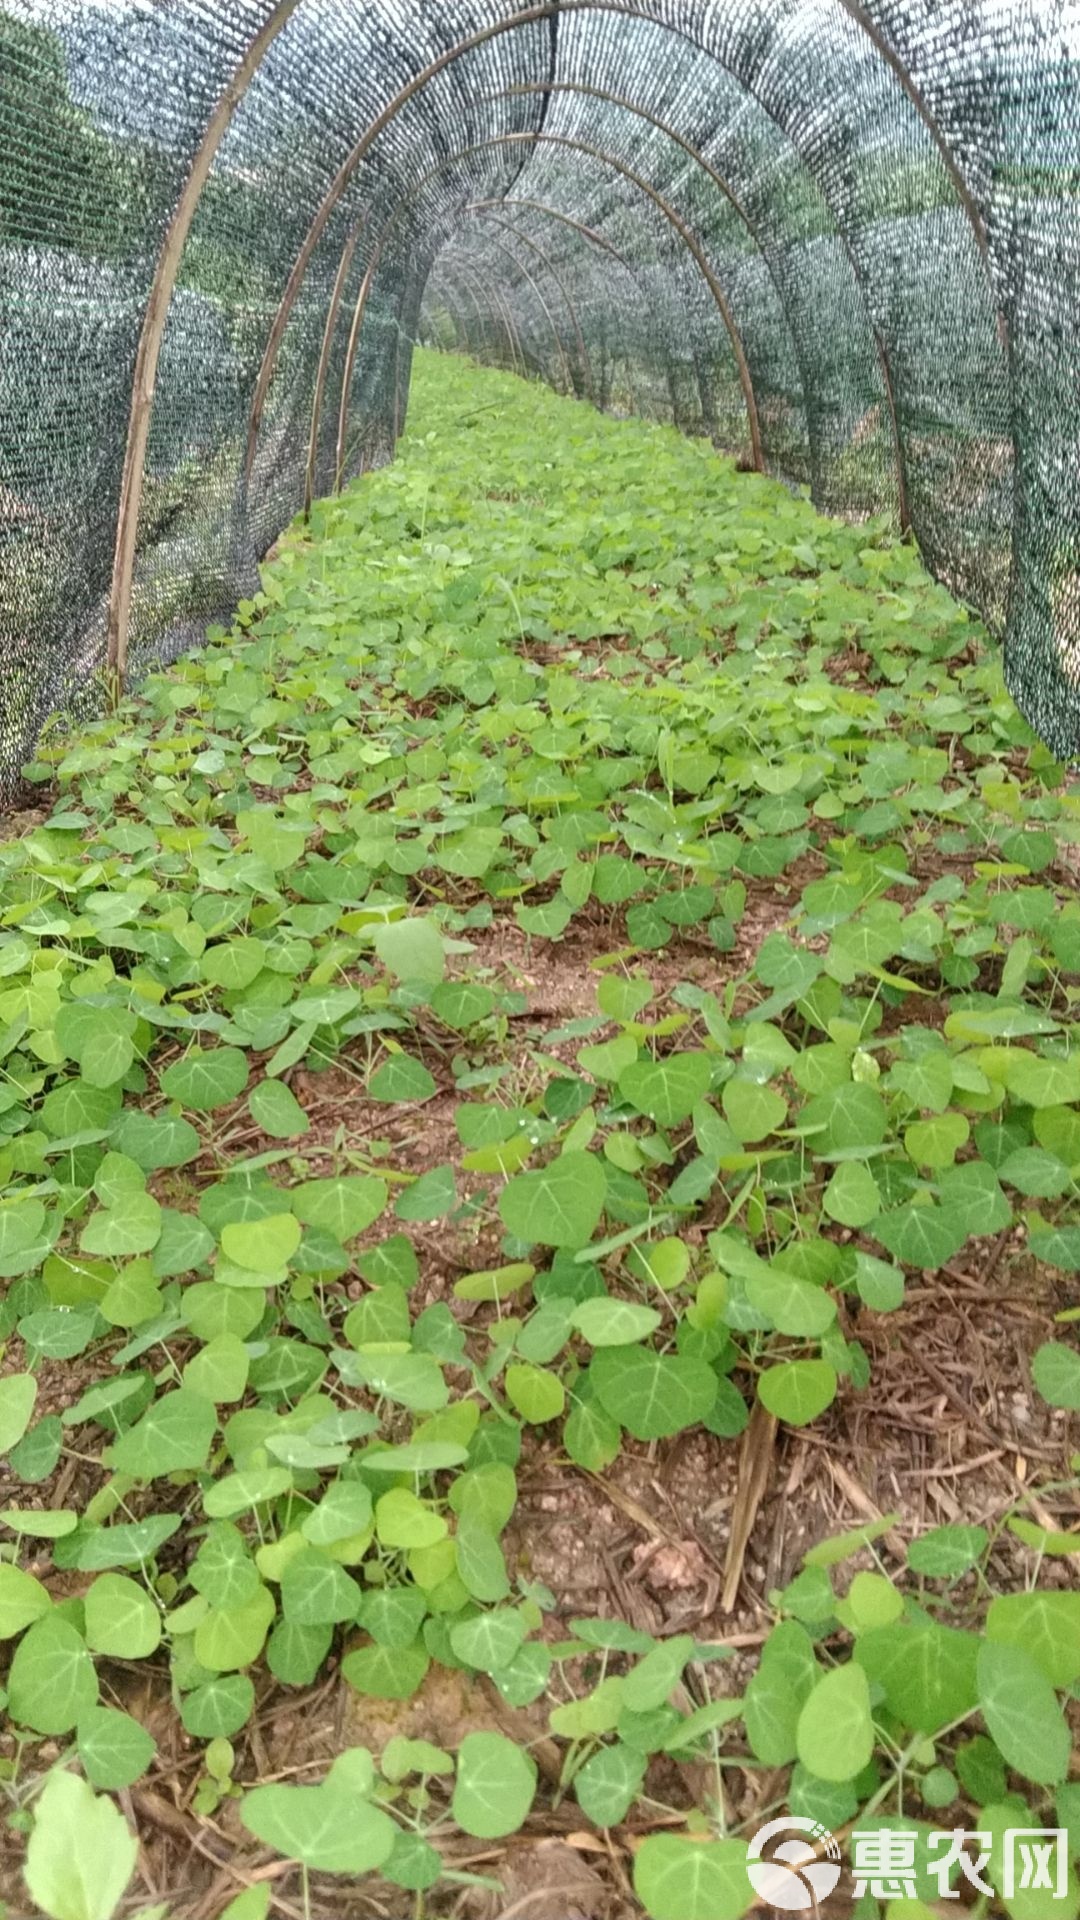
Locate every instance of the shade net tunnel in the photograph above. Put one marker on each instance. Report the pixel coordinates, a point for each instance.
(840, 237)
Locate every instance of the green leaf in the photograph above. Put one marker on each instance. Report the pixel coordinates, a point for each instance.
(850, 1115)
(414, 1864)
(23, 1600)
(326, 1828)
(131, 1226)
(652, 1680)
(921, 1236)
(835, 1733)
(52, 1679)
(175, 1434)
(263, 1246)
(534, 1393)
(219, 1372)
(81, 1854)
(946, 1552)
(753, 1111)
(207, 1079)
(495, 1785)
(779, 1688)
(793, 1306)
(413, 1380)
(797, 1391)
(244, 1491)
(609, 1783)
(496, 1284)
(108, 1054)
(233, 1637)
(652, 1395)
(558, 1205)
(591, 1437)
(386, 1673)
(233, 966)
(128, 1545)
(852, 1197)
(489, 1641)
(274, 1107)
(218, 1709)
(402, 1079)
(430, 1197)
(403, 1520)
(155, 1141)
(685, 1879)
(605, 1322)
(295, 1654)
(1039, 1082)
(252, 1904)
(935, 1143)
(414, 949)
(114, 1749)
(344, 1511)
(394, 1616)
(39, 1525)
(927, 1672)
(1055, 1369)
(401, 1756)
(480, 1561)
(121, 1619)
(316, 1592)
(1022, 1714)
(999, 1822)
(346, 1206)
(1046, 1625)
(18, 1393)
(881, 1286)
(223, 1570)
(462, 1004)
(37, 1454)
(667, 1090)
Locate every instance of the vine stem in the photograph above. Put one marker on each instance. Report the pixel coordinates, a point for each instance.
(917, 1740)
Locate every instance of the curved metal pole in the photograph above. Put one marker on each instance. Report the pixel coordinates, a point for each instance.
(643, 113)
(461, 329)
(701, 160)
(361, 310)
(577, 226)
(960, 186)
(508, 226)
(510, 255)
(627, 173)
(517, 358)
(148, 357)
(526, 17)
(350, 361)
(513, 349)
(476, 263)
(442, 270)
(598, 240)
(693, 246)
(324, 364)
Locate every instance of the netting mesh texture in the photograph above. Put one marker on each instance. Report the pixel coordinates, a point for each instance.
(842, 237)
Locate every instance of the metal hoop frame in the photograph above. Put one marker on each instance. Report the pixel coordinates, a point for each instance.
(164, 282)
(674, 218)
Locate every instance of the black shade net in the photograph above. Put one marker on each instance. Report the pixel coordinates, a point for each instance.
(841, 237)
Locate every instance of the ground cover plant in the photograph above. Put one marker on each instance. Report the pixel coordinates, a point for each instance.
(592, 953)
